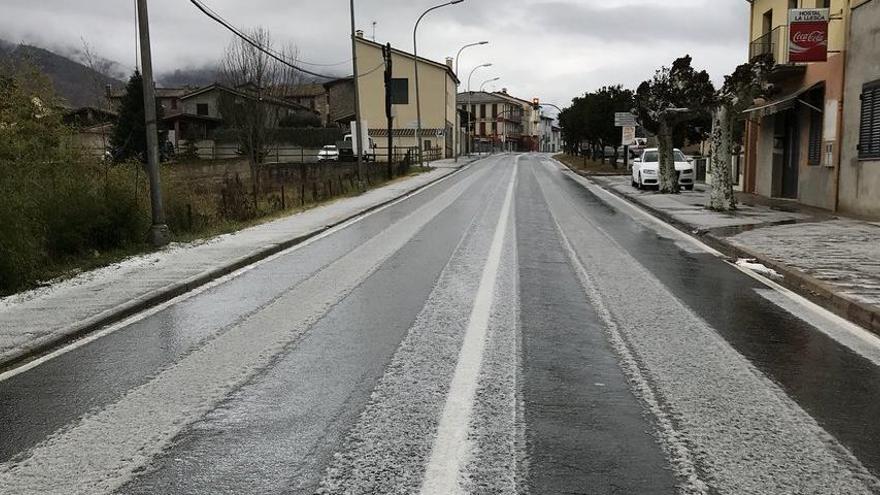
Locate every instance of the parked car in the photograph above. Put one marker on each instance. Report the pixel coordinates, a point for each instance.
(646, 170)
(329, 153)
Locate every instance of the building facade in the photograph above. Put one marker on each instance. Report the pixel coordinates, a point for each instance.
(437, 87)
(859, 180)
(793, 141)
(491, 121)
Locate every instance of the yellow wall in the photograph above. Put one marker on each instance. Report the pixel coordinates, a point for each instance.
(437, 87)
(836, 29)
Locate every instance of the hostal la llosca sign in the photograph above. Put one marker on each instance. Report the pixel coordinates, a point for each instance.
(808, 35)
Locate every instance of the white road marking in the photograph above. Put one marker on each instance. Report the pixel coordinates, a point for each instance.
(199, 290)
(450, 446)
(843, 331)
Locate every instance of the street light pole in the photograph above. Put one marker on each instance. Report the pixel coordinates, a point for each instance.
(357, 104)
(487, 81)
(159, 233)
(457, 56)
(470, 117)
(416, 65)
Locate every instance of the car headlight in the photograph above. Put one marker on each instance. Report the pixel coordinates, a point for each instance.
(687, 171)
(649, 172)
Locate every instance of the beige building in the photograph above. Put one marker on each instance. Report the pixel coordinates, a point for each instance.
(438, 86)
(859, 179)
(793, 142)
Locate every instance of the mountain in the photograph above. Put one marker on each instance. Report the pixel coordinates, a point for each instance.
(182, 78)
(76, 83)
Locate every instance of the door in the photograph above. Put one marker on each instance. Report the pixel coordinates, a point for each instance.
(791, 156)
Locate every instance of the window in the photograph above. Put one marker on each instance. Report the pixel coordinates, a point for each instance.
(792, 4)
(494, 127)
(823, 4)
(482, 128)
(817, 120)
(174, 103)
(202, 109)
(767, 22)
(399, 91)
(869, 126)
(483, 111)
(494, 111)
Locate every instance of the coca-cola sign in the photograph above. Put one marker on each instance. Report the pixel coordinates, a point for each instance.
(808, 35)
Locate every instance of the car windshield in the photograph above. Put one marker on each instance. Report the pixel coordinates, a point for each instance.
(654, 156)
(330, 148)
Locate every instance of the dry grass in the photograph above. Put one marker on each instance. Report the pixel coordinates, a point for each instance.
(591, 167)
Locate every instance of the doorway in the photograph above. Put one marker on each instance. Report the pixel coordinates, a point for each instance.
(787, 150)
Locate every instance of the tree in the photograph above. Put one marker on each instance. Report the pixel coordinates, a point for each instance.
(251, 71)
(129, 138)
(590, 120)
(674, 96)
(739, 92)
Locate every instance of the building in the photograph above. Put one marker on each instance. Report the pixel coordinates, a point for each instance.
(793, 141)
(313, 96)
(496, 123)
(550, 135)
(437, 86)
(531, 122)
(859, 179)
(167, 98)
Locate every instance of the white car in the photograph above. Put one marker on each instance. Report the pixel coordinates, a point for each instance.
(646, 170)
(329, 153)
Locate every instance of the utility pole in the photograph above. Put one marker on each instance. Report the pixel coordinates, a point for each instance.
(386, 53)
(357, 103)
(159, 233)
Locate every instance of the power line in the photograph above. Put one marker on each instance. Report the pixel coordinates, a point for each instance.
(220, 20)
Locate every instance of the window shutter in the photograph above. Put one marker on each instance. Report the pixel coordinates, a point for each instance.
(869, 128)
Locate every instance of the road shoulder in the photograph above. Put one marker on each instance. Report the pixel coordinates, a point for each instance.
(770, 237)
(34, 326)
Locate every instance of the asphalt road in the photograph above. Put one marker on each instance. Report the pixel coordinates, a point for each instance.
(510, 329)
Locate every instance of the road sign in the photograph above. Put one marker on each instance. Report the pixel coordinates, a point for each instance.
(629, 136)
(624, 119)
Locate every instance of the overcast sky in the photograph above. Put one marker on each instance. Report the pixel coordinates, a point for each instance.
(554, 49)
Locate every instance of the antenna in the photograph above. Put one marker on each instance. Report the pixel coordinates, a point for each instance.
(374, 30)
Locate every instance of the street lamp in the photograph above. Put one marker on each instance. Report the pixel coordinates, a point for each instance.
(470, 117)
(457, 55)
(416, 64)
(487, 81)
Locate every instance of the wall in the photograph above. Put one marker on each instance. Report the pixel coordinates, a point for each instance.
(836, 30)
(435, 84)
(859, 189)
(190, 105)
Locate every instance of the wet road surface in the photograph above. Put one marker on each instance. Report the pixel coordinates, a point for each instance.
(508, 330)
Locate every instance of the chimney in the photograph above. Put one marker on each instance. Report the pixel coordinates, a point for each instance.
(359, 33)
(504, 90)
(449, 63)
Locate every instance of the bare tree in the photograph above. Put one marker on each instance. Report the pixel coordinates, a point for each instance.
(673, 97)
(259, 82)
(739, 92)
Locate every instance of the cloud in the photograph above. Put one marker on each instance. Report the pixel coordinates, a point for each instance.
(554, 49)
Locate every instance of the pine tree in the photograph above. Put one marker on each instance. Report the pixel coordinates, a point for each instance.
(129, 138)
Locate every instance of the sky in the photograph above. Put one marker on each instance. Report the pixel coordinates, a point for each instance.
(550, 49)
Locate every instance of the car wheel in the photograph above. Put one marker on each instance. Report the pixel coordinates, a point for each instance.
(633, 182)
(689, 187)
(640, 186)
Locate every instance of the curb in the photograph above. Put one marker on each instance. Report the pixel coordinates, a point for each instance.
(864, 315)
(167, 293)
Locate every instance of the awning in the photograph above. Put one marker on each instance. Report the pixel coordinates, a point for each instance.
(783, 103)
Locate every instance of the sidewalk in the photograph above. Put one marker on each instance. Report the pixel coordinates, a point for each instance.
(832, 260)
(36, 321)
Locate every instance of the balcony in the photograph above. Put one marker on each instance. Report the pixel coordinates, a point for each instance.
(773, 43)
